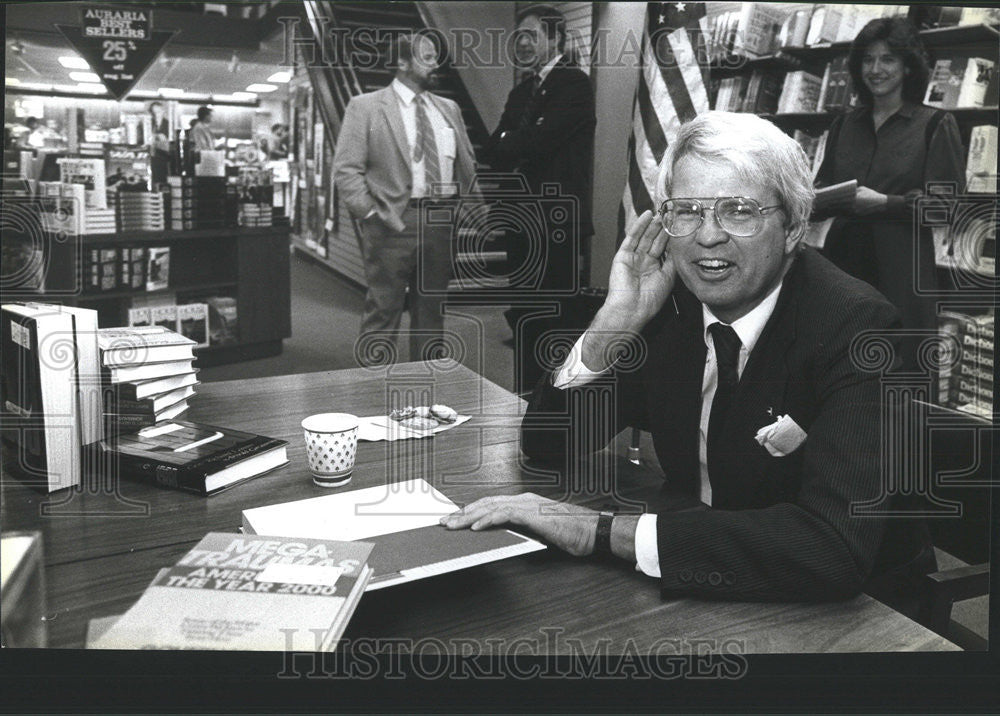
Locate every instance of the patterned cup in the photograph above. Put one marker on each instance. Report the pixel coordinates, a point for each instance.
(331, 446)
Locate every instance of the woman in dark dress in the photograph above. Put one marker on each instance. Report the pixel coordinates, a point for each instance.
(893, 146)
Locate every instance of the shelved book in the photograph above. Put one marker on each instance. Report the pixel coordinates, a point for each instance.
(193, 457)
(248, 593)
(966, 381)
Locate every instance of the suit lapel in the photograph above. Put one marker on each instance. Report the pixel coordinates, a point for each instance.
(762, 393)
(394, 117)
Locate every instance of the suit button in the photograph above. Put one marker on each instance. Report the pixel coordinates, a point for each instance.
(729, 578)
(715, 579)
(699, 577)
(409, 186)
(685, 575)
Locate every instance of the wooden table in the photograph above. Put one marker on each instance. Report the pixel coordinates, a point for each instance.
(104, 543)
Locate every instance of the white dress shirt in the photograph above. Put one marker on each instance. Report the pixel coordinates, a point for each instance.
(544, 72)
(444, 135)
(748, 328)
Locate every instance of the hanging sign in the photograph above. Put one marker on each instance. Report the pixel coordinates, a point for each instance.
(118, 43)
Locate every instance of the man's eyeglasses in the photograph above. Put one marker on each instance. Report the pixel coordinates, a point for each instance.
(737, 215)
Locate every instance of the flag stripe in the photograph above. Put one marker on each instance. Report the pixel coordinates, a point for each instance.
(674, 80)
(651, 121)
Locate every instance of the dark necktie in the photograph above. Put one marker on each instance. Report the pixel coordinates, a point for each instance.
(426, 147)
(727, 355)
(531, 106)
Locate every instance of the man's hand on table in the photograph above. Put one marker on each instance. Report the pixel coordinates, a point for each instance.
(568, 527)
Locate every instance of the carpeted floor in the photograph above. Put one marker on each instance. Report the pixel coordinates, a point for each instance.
(326, 315)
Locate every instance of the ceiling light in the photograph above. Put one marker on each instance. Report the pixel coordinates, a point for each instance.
(170, 92)
(72, 62)
(244, 96)
(91, 87)
(261, 88)
(283, 76)
(84, 77)
(11, 81)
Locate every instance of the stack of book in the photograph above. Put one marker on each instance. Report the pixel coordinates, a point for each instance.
(247, 593)
(140, 211)
(967, 385)
(197, 202)
(99, 221)
(149, 376)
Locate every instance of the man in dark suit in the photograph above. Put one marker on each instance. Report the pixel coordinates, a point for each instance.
(748, 385)
(546, 134)
(403, 150)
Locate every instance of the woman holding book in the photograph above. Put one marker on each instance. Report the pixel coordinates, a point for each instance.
(893, 146)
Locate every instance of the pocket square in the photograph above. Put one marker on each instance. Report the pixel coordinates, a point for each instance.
(781, 437)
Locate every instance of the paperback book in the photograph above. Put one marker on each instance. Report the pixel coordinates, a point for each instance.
(248, 593)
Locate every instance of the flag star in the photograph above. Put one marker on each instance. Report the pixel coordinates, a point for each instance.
(680, 6)
(663, 18)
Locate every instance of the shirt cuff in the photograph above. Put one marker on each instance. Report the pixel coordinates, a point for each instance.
(573, 372)
(647, 554)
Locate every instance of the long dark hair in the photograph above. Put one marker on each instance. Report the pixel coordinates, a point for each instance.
(902, 38)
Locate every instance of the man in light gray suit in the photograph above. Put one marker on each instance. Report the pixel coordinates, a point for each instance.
(403, 151)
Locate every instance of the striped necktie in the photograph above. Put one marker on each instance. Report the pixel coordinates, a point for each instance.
(426, 147)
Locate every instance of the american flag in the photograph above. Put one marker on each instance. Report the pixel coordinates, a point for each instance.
(673, 74)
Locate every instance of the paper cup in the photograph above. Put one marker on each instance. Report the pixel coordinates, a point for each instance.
(331, 446)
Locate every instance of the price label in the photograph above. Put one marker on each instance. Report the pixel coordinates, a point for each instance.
(118, 43)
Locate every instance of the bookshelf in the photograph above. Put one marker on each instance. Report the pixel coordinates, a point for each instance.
(248, 264)
(965, 258)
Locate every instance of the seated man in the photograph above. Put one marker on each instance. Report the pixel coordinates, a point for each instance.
(756, 328)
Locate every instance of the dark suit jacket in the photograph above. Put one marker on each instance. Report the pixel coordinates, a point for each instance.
(779, 527)
(557, 145)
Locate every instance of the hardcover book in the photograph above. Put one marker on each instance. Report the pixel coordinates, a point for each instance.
(146, 371)
(194, 457)
(146, 344)
(248, 593)
(41, 420)
(139, 389)
(402, 519)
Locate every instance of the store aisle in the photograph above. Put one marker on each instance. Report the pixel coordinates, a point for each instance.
(326, 314)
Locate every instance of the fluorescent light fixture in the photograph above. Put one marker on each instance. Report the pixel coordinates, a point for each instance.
(72, 62)
(84, 77)
(11, 81)
(282, 77)
(244, 96)
(170, 92)
(94, 87)
(261, 88)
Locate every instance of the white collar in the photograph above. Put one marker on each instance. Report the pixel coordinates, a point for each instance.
(403, 92)
(544, 72)
(750, 326)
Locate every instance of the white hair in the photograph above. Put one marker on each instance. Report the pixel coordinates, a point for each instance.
(757, 151)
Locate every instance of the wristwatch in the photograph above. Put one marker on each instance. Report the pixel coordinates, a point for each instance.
(602, 541)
